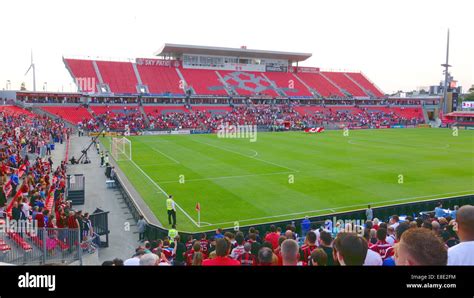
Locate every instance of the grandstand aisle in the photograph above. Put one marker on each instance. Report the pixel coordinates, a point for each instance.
(121, 242)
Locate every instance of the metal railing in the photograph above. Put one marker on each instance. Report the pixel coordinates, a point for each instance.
(100, 222)
(45, 246)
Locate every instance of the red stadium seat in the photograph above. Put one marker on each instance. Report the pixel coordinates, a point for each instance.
(288, 83)
(73, 115)
(160, 79)
(365, 83)
(83, 69)
(345, 83)
(120, 76)
(204, 82)
(320, 84)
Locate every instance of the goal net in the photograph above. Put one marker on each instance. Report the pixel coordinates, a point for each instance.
(121, 149)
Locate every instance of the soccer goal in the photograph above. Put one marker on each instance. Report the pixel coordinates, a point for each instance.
(121, 149)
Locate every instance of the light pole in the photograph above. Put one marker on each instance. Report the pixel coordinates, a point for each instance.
(45, 86)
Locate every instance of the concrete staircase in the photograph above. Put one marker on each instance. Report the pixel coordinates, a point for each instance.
(181, 77)
(144, 115)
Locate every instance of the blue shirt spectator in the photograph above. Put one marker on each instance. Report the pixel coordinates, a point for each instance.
(439, 212)
(14, 178)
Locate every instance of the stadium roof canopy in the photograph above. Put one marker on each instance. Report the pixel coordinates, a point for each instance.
(176, 50)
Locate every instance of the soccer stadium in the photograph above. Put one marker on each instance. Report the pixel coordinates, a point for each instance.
(214, 155)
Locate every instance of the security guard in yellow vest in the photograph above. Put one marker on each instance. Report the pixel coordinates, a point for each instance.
(170, 206)
(172, 233)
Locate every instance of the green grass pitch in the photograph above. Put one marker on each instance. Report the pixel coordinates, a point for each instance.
(289, 175)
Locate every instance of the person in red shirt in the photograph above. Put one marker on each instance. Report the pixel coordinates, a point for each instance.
(398, 234)
(381, 246)
(204, 243)
(277, 251)
(375, 224)
(272, 237)
(308, 247)
(40, 219)
(189, 243)
(222, 255)
(247, 258)
(189, 255)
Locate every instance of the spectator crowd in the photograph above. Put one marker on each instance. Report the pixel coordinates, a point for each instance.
(32, 189)
(433, 240)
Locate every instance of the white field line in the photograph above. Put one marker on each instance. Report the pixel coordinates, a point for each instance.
(392, 143)
(337, 208)
(256, 153)
(166, 155)
(164, 193)
(157, 164)
(226, 177)
(252, 157)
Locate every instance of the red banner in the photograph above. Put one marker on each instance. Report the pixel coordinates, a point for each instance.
(301, 69)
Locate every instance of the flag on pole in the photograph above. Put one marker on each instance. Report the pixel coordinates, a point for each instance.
(198, 209)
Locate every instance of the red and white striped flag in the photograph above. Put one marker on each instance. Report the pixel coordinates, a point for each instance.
(314, 130)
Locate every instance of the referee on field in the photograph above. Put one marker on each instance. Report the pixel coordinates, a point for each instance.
(170, 206)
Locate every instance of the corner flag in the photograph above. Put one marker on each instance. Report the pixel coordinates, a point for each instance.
(198, 209)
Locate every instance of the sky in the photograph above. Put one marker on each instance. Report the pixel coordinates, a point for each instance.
(399, 45)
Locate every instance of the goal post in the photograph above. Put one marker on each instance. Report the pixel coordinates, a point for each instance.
(121, 149)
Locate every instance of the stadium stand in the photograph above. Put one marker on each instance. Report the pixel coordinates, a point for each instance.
(345, 83)
(82, 69)
(73, 115)
(248, 83)
(321, 85)
(289, 84)
(119, 76)
(209, 117)
(29, 189)
(160, 80)
(365, 83)
(204, 82)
